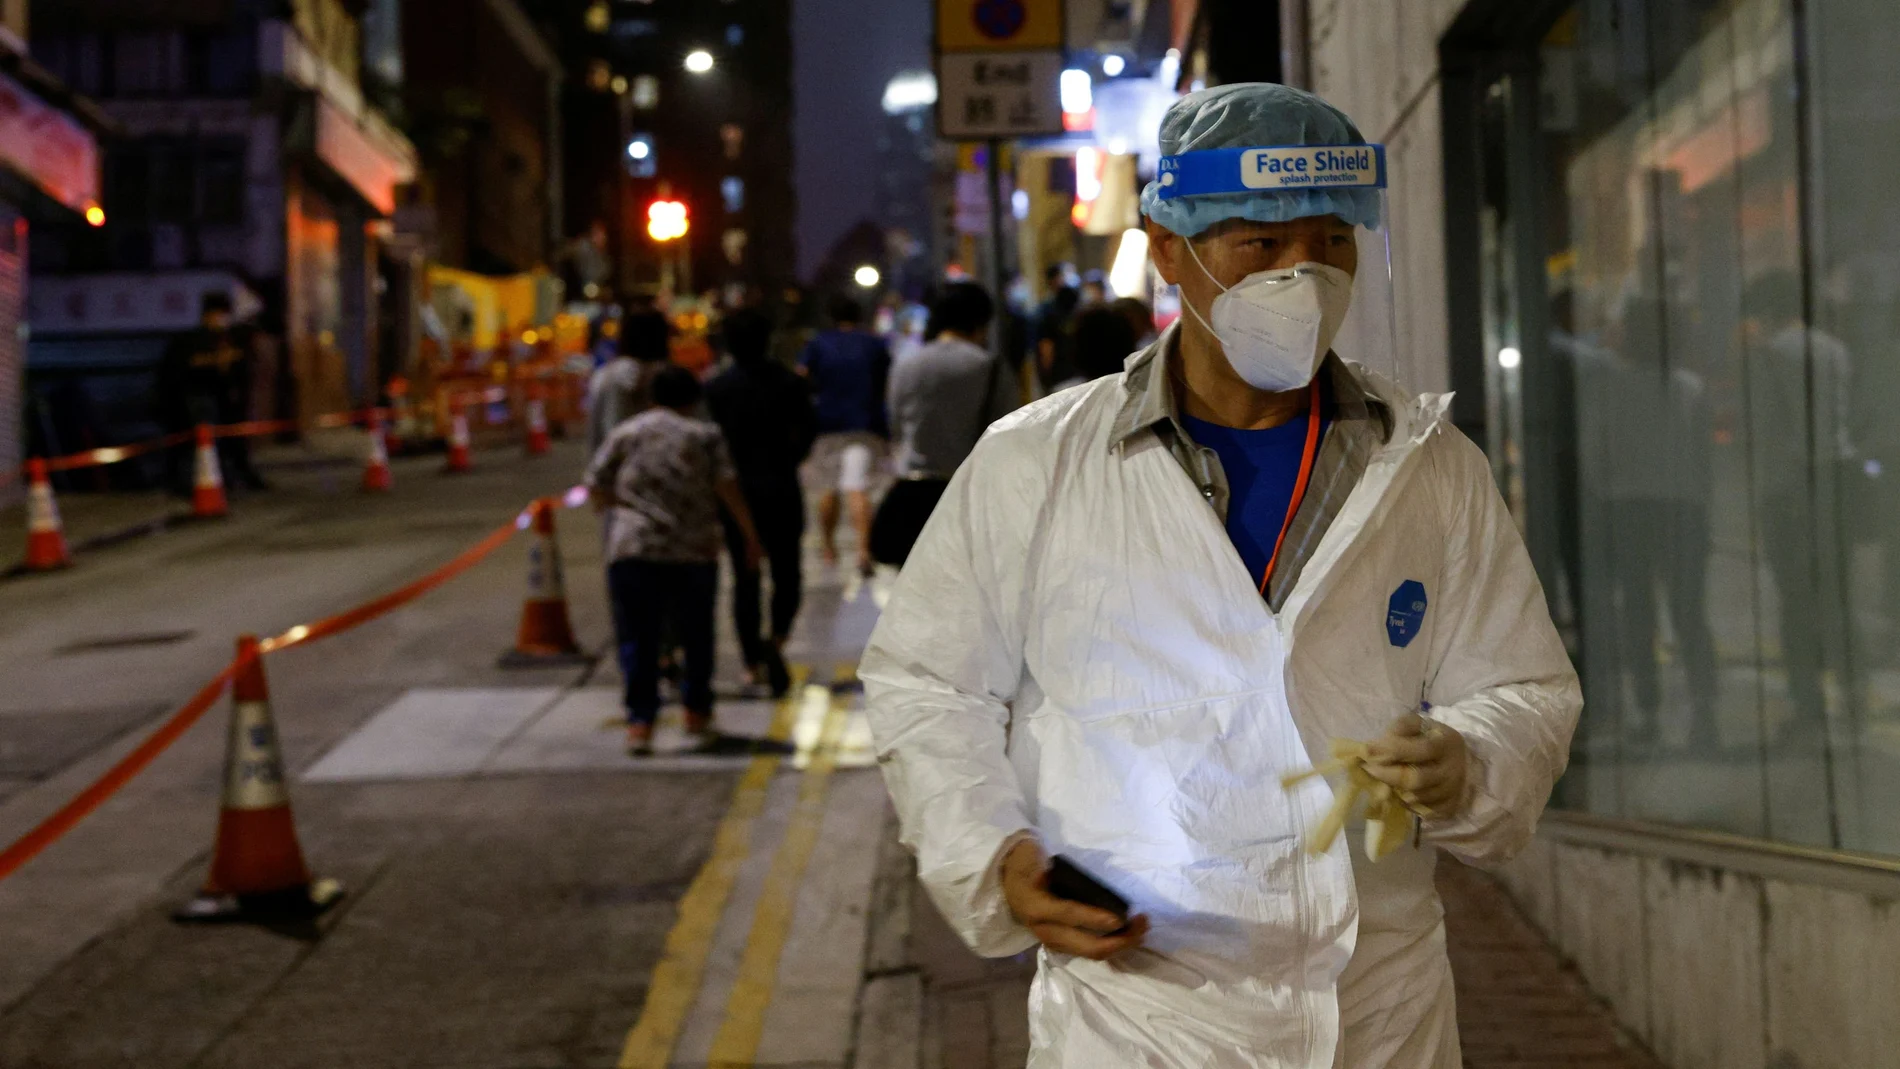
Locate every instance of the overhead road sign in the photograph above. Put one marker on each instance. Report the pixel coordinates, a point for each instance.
(999, 25)
(999, 68)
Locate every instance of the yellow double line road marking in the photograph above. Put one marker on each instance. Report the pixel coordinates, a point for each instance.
(738, 1040)
(677, 978)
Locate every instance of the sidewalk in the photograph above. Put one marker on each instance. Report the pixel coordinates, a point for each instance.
(1519, 1005)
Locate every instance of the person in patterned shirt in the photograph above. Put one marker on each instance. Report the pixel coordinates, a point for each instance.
(661, 477)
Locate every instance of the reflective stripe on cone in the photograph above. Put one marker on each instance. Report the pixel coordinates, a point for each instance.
(45, 537)
(538, 441)
(459, 460)
(207, 488)
(376, 474)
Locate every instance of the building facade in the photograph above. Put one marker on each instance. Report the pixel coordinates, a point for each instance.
(251, 163)
(49, 176)
(717, 138)
(481, 92)
(1651, 245)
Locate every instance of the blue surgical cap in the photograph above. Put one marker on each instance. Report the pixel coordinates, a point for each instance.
(1256, 115)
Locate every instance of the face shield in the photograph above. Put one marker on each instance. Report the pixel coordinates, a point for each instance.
(1195, 190)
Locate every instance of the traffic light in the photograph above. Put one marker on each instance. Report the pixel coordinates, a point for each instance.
(666, 220)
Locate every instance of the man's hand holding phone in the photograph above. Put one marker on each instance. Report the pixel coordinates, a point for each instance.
(1061, 924)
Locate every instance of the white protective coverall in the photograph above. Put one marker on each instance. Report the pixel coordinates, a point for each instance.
(1074, 649)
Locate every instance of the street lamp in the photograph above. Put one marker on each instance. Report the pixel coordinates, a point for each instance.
(867, 276)
(699, 61)
(910, 91)
(1113, 65)
(1077, 91)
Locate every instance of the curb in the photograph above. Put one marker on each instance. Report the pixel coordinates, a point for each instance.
(889, 1030)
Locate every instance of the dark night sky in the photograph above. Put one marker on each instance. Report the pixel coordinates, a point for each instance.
(844, 52)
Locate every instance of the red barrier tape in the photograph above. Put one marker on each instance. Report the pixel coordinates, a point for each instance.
(113, 454)
(69, 815)
(370, 610)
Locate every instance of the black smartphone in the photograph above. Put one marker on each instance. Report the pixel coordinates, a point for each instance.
(1067, 880)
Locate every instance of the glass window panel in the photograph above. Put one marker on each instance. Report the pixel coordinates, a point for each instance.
(1853, 301)
(1721, 272)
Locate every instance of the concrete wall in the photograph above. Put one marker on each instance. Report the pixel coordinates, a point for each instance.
(1720, 954)
(1378, 60)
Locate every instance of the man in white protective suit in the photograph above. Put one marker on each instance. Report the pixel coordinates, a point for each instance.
(1146, 599)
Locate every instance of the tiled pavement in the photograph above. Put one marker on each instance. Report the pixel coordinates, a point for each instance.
(1520, 1006)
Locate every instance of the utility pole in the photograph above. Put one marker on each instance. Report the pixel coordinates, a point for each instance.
(999, 276)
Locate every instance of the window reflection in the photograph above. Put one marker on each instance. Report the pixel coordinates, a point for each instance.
(1714, 344)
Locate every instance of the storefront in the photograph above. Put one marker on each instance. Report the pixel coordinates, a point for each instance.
(1653, 246)
(344, 165)
(49, 169)
(275, 177)
(1685, 313)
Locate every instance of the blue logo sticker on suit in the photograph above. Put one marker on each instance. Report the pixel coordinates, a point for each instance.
(1405, 613)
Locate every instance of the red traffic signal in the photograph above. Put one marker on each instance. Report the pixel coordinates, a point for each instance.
(666, 220)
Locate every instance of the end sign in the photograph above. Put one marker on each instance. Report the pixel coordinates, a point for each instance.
(999, 68)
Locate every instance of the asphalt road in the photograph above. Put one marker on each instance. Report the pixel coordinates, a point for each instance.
(508, 916)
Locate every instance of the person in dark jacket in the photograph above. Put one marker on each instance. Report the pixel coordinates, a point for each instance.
(204, 377)
(765, 410)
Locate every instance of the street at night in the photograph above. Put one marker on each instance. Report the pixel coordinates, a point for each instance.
(948, 534)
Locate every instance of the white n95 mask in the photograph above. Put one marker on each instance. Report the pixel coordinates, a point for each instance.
(1276, 326)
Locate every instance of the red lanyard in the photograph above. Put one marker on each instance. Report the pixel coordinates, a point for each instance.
(1299, 485)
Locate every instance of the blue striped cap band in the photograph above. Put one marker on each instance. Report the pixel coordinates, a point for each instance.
(1285, 168)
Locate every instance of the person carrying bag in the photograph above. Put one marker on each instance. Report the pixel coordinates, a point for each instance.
(942, 399)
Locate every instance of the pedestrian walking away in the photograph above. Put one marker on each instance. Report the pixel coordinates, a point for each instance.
(943, 397)
(1104, 337)
(622, 388)
(661, 478)
(849, 369)
(1145, 606)
(765, 412)
(1053, 320)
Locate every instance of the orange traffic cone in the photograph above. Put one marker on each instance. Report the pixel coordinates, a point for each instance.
(538, 442)
(458, 440)
(257, 867)
(546, 635)
(45, 538)
(376, 476)
(207, 491)
(401, 425)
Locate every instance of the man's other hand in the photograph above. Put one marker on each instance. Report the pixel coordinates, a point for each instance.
(1423, 760)
(1063, 926)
